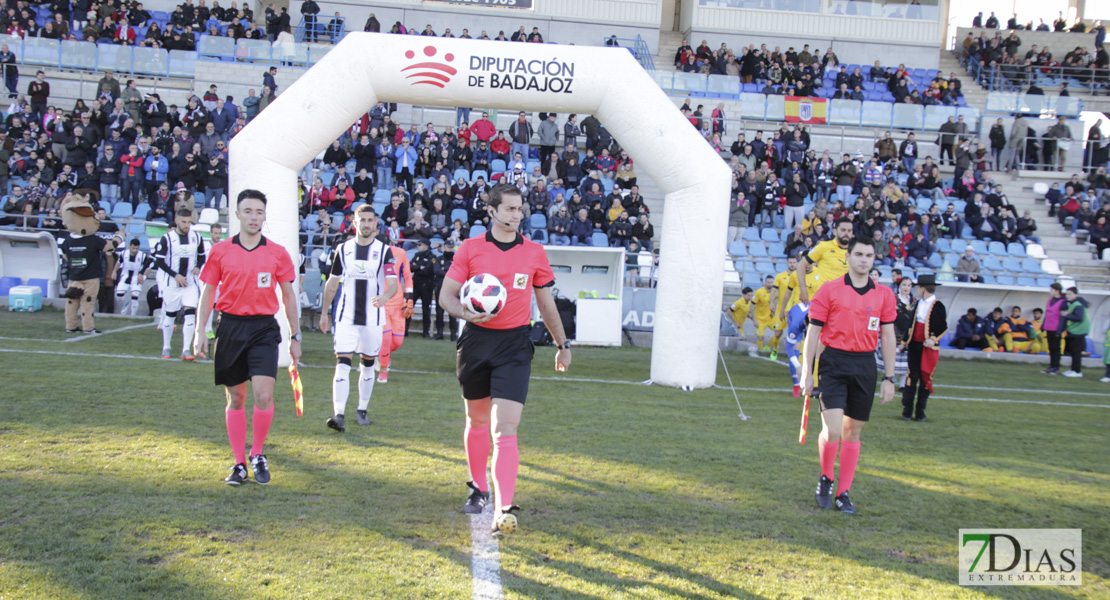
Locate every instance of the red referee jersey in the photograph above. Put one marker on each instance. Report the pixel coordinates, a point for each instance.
(520, 265)
(248, 279)
(851, 317)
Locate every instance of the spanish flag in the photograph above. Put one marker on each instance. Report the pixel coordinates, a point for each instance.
(800, 109)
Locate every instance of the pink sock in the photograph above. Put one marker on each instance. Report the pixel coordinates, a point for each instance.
(826, 451)
(260, 427)
(383, 352)
(849, 457)
(506, 461)
(477, 454)
(237, 433)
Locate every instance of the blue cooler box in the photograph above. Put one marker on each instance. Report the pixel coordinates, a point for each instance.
(26, 298)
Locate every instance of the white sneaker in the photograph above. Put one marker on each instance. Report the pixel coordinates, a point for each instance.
(1105, 380)
(1072, 374)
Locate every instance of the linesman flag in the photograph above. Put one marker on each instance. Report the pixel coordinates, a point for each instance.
(800, 109)
(298, 389)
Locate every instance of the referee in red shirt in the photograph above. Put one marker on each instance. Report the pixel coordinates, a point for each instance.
(846, 316)
(494, 359)
(247, 270)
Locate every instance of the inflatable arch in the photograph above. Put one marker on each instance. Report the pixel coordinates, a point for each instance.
(607, 82)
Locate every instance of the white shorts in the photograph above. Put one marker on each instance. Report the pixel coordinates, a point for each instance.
(358, 339)
(135, 288)
(175, 298)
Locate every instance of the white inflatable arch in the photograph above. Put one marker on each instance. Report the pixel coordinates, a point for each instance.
(607, 82)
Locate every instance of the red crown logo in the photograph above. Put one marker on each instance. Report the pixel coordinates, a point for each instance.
(428, 72)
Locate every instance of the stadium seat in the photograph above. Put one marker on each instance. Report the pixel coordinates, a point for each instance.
(476, 174)
(1035, 251)
(459, 214)
(599, 239)
(141, 211)
(381, 195)
(327, 178)
(1040, 188)
(198, 200)
(764, 268)
(42, 284)
(1045, 281)
(777, 250)
(757, 250)
(121, 210)
(209, 216)
(1027, 281)
(993, 263)
(751, 234)
(988, 278)
(1011, 264)
(538, 221)
(1006, 280)
(952, 259)
(497, 165)
(7, 283)
(958, 246)
(461, 173)
(1031, 265)
(979, 246)
(769, 235)
(1051, 267)
(751, 278)
(1016, 249)
(997, 249)
(477, 230)
(944, 245)
(379, 208)
(539, 236)
(737, 248)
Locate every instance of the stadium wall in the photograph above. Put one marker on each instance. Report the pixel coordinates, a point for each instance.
(579, 22)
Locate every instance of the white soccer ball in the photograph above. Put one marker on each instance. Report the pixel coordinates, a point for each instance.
(483, 294)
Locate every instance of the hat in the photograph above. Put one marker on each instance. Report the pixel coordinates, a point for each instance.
(422, 242)
(518, 166)
(927, 279)
(180, 186)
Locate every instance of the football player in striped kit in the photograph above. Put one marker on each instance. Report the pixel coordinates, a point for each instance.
(178, 259)
(131, 264)
(215, 236)
(364, 267)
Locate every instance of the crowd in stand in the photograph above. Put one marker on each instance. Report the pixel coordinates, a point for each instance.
(1088, 67)
(1060, 24)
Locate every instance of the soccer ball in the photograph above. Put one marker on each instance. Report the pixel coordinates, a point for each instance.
(483, 294)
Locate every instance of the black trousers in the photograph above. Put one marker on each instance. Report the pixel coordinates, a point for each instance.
(963, 343)
(1076, 344)
(422, 291)
(915, 384)
(451, 321)
(946, 149)
(1053, 350)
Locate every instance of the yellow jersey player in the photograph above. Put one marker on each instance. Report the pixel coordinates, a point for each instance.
(813, 283)
(829, 258)
(782, 284)
(740, 311)
(764, 301)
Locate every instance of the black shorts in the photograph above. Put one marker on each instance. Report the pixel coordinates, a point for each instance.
(494, 363)
(246, 346)
(847, 381)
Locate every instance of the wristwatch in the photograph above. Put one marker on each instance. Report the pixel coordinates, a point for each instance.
(296, 337)
(564, 346)
(892, 379)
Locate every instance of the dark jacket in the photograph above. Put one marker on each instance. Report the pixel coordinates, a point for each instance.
(966, 329)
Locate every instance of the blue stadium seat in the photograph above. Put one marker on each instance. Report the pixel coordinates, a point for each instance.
(475, 174)
(777, 250)
(42, 284)
(959, 205)
(987, 278)
(459, 214)
(751, 278)
(737, 248)
(764, 268)
(351, 164)
(786, 233)
(539, 236)
(967, 234)
(461, 173)
(1027, 281)
(751, 234)
(997, 249)
(121, 210)
(381, 195)
(769, 235)
(538, 221)
(757, 250)
(1011, 264)
(952, 259)
(1045, 281)
(979, 246)
(7, 283)
(606, 184)
(944, 245)
(1005, 280)
(1031, 265)
(198, 199)
(379, 208)
(992, 263)
(141, 211)
(477, 230)
(958, 246)
(1016, 249)
(599, 239)
(497, 165)
(327, 178)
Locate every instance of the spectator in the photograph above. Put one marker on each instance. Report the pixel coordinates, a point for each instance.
(969, 332)
(991, 325)
(620, 231)
(1078, 325)
(919, 253)
(581, 229)
(643, 232)
(521, 134)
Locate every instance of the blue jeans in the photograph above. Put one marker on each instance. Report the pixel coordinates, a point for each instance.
(928, 262)
(842, 194)
(213, 197)
(109, 192)
(559, 239)
(1025, 239)
(522, 149)
(647, 245)
(131, 190)
(462, 115)
(577, 241)
(385, 178)
(909, 163)
(619, 243)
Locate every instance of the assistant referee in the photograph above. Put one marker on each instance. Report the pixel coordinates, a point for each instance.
(247, 270)
(846, 316)
(494, 358)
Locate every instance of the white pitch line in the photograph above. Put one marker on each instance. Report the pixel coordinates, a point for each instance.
(583, 380)
(89, 336)
(485, 557)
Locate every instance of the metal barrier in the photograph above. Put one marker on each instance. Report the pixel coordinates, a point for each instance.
(1011, 103)
(1013, 78)
(332, 30)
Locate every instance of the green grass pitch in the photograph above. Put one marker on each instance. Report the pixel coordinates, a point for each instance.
(111, 468)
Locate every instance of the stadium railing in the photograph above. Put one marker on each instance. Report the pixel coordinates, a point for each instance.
(1012, 78)
(327, 28)
(637, 46)
(1011, 103)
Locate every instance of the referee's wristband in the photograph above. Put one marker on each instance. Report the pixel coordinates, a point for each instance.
(893, 379)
